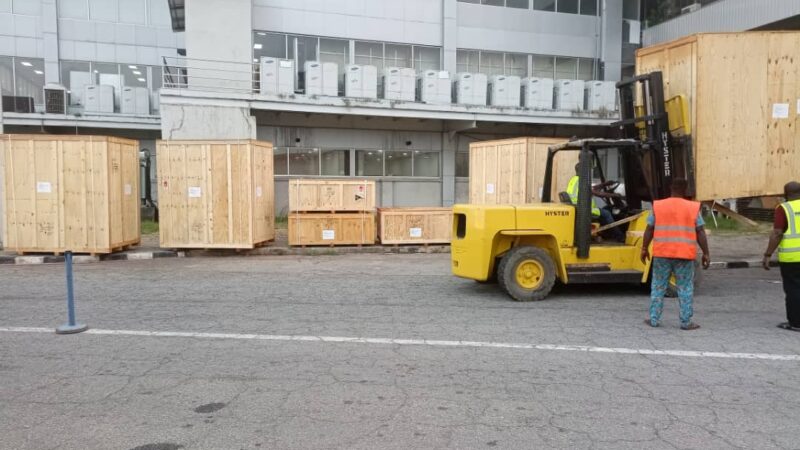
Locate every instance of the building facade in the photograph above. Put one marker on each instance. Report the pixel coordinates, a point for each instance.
(193, 70)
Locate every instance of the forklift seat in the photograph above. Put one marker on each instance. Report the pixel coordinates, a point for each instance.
(564, 197)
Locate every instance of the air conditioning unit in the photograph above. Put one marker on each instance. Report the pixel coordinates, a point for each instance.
(600, 96)
(276, 76)
(470, 89)
(399, 83)
(135, 100)
(504, 90)
(98, 98)
(434, 87)
(691, 8)
(537, 93)
(568, 95)
(55, 99)
(322, 78)
(361, 81)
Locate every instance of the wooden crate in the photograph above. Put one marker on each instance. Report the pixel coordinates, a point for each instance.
(415, 225)
(743, 92)
(77, 193)
(511, 171)
(332, 229)
(215, 194)
(331, 195)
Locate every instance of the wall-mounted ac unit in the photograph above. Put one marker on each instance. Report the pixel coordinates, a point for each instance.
(55, 99)
(399, 83)
(504, 90)
(434, 86)
(537, 93)
(98, 98)
(135, 100)
(470, 89)
(276, 76)
(568, 95)
(601, 95)
(322, 78)
(361, 81)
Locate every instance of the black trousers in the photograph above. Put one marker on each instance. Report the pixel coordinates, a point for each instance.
(790, 272)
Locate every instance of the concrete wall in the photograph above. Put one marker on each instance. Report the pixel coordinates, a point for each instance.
(206, 122)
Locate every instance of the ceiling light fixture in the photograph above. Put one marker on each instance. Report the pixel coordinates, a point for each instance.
(132, 67)
(26, 63)
(142, 80)
(136, 72)
(257, 46)
(38, 72)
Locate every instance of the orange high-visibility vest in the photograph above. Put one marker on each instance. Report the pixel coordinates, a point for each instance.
(675, 234)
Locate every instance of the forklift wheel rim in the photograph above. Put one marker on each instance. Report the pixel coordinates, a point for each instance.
(529, 274)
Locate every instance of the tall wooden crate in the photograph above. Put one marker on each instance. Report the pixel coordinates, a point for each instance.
(313, 195)
(511, 171)
(415, 225)
(215, 194)
(76, 193)
(744, 92)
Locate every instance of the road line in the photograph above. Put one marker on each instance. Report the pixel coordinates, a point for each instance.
(424, 342)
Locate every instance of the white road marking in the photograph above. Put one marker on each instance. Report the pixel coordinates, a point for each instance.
(425, 342)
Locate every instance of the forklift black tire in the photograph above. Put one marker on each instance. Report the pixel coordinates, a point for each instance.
(527, 273)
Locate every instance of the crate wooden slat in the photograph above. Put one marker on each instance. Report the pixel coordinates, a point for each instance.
(77, 193)
(332, 229)
(215, 194)
(415, 225)
(511, 171)
(739, 86)
(316, 195)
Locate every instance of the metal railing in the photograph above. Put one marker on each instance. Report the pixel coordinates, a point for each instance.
(209, 75)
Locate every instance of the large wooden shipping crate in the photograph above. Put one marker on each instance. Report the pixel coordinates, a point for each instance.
(332, 229)
(215, 194)
(511, 171)
(744, 100)
(69, 193)
(311, 195)
(415, 225)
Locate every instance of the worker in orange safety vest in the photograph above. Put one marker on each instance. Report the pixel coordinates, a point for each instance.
(675, 228)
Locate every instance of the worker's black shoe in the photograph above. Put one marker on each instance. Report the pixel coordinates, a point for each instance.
(650, 323)
(788, 326)
(689, 327)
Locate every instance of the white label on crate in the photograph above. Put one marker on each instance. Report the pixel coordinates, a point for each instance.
(195, 192)
(43, 187)
(328, 235)
(490, 188)
(286, 64)
(258, 191)
(128, 189)
(415, 232)
(780, 111)
(798, 106)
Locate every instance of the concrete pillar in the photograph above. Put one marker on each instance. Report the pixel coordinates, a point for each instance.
(449, 35)
(449, 147)
(611, 37)
(181, 121)
(52, 74)
(387, 193)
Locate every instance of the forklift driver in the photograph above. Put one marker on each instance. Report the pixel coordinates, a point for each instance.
(602, 214)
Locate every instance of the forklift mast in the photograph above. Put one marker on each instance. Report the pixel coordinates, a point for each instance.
(666, 156)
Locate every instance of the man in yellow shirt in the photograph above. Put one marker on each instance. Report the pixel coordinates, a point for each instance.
(603, 215)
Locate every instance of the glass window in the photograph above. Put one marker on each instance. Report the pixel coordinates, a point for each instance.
(304, 161)
(426, 164)
(589, 7)
(335, 162)
(280, 161)
(462, 164)
(516, 64)
(75, 75)
(544, 5)
(543, 66)
(6, 75)
(586, 69)
(566, 68)
(397, 55)
(467, 61)
(398, 163)
(522, 4)
(306, 50)
(369, 163)
(269, 44)
(369, 53)
(568, 6)
(427, 58)
(29, 79)
(630, 9)
(492, 63)
(492, 2)
(335, 51)
(134, 75)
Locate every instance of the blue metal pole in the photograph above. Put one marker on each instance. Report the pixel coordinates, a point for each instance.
(70, 327)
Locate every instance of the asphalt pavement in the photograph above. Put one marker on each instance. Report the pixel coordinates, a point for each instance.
(384, 351)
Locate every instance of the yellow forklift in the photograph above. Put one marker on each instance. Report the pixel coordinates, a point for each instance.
(526, 248)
